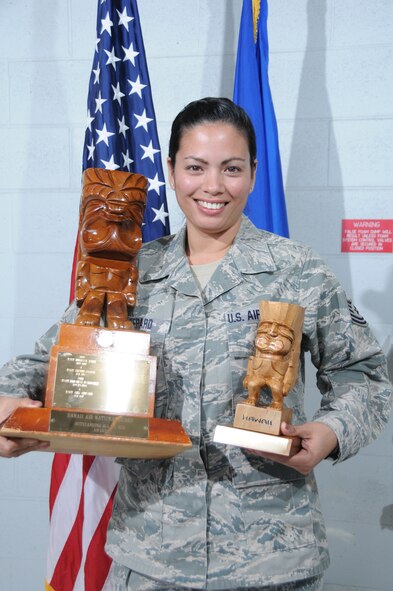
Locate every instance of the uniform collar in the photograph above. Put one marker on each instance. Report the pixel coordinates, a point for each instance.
(249, 254)
(170, 262)
(250, 250)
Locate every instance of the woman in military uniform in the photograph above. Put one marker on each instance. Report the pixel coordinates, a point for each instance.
(221, 517)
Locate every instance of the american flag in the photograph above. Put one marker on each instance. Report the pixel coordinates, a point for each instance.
(121, 134)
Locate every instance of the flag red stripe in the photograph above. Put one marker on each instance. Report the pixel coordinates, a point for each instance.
(98, 562)
(59, 468)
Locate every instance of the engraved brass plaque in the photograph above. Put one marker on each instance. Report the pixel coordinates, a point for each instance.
(111, 381)
(98, 424)
(261, 419)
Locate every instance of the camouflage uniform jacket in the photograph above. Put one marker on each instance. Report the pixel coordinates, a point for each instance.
(218, 517)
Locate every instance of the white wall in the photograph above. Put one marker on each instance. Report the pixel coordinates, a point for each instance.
(331, 72)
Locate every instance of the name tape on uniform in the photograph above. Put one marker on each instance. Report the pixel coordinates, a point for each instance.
(244, 315)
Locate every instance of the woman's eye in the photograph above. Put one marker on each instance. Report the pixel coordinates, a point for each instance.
(233, 169)
(194, 168)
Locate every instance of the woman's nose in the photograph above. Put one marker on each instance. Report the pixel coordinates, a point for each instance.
(212, 182)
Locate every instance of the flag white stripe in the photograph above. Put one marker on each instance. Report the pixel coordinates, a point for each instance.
(99, 484)
(64, 512)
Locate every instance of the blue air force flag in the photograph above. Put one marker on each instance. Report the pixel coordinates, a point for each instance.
(266, 204)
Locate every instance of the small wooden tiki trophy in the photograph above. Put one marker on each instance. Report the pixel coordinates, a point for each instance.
(101, 380)
(272, 372)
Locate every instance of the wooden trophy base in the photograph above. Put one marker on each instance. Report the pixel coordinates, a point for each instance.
(259, 428)
(153, 438)
(99, 399)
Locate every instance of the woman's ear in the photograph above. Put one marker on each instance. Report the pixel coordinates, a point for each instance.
(170, 173)
(254, 173)
(255, 167)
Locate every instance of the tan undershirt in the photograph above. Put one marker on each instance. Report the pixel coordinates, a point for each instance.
(203, 273)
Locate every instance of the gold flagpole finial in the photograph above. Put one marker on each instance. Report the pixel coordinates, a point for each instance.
(256, 9)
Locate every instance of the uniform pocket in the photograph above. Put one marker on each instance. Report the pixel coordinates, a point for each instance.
(138, 505)
(277, 515)
(241, 339)
(250, 470)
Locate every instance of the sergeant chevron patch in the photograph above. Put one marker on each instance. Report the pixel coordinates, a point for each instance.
(356, 317)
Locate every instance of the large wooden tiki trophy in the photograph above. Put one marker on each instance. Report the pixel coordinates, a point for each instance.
(271, 373)
(110, 237)
(101, 380)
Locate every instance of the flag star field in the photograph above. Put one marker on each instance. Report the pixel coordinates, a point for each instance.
(121, 131)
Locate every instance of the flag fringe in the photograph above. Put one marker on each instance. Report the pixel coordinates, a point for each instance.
(256, 9)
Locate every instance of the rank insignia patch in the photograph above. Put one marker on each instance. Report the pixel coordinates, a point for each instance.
(356, 317)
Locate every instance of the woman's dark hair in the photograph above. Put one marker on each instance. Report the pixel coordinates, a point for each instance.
(212, 110)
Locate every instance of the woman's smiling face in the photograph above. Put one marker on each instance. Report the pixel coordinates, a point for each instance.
(212, 177)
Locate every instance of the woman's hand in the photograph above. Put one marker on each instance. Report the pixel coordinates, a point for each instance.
(12, 448)
(317, 441)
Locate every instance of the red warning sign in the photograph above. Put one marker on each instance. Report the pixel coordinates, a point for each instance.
(367, 236)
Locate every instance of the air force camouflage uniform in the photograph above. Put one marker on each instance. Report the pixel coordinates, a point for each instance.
(216, 516)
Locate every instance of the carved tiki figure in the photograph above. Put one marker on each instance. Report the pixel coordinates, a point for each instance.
(110, 236)
(277, 352)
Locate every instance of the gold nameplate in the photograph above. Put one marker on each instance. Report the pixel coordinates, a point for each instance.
(108, 381)
(261, 419)
(98, 424)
